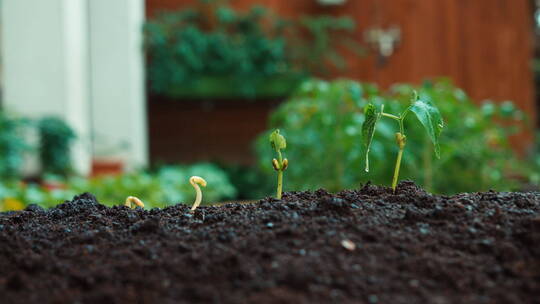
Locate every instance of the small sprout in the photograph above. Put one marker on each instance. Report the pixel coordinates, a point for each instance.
(279, 143)
(195, 181)
(426, 112)
(135, 200)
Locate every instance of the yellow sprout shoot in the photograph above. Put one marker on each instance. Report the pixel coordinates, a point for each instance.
(133, 199)
(195, 181)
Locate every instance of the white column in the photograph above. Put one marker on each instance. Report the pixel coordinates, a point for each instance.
(117, 80)
(45, 64)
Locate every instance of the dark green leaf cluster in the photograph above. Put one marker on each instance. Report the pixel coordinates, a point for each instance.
(12, 145)
(56, 138)
(193, 50)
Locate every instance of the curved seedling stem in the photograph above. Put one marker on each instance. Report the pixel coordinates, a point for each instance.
(135, 200)
(195, 181)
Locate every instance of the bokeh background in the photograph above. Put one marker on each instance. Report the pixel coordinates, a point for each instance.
(132, 97)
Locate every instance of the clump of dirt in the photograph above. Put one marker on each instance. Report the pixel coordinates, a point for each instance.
(358, 246)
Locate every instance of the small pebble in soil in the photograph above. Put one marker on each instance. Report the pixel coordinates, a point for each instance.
(348, 244)
(424, 230)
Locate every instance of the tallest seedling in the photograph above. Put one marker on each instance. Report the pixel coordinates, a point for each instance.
(426, 112)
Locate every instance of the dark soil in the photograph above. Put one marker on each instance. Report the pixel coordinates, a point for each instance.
(361, 246)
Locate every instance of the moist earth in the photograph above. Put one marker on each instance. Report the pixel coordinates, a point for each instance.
(358, 246)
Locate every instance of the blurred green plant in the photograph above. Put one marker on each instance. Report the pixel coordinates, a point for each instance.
(213, 50)
(250, 181)
(323, 121)
(532, 166)
(12, 145)
(56, 138)
(168, 185)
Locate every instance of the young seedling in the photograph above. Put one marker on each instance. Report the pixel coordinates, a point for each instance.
(426, 112)
(195, 181)
(279, 143)
(135, 200)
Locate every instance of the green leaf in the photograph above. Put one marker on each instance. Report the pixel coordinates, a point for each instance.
(277, 141)
(431, 119)
(368, 128)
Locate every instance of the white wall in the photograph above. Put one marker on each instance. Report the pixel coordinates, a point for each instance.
(81, 60)
(45, 64)
(118, 96)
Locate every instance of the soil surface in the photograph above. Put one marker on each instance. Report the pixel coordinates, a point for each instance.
(358, 246)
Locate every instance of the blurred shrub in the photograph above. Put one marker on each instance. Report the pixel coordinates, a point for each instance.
(533, 165)
(168, 186)
(251, 182)
(12, 145)
(322, 123)
(56, 138)
(215, 50)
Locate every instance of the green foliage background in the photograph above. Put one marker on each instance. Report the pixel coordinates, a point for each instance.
(322, 123)
(213, 50)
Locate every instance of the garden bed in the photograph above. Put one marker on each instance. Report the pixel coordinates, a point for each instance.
(367, 245)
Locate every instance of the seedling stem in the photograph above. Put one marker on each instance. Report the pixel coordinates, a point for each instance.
(195, 181)
(279, 177)
(400, 140)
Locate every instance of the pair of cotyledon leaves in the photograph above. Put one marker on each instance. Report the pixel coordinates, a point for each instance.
(427, 113)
